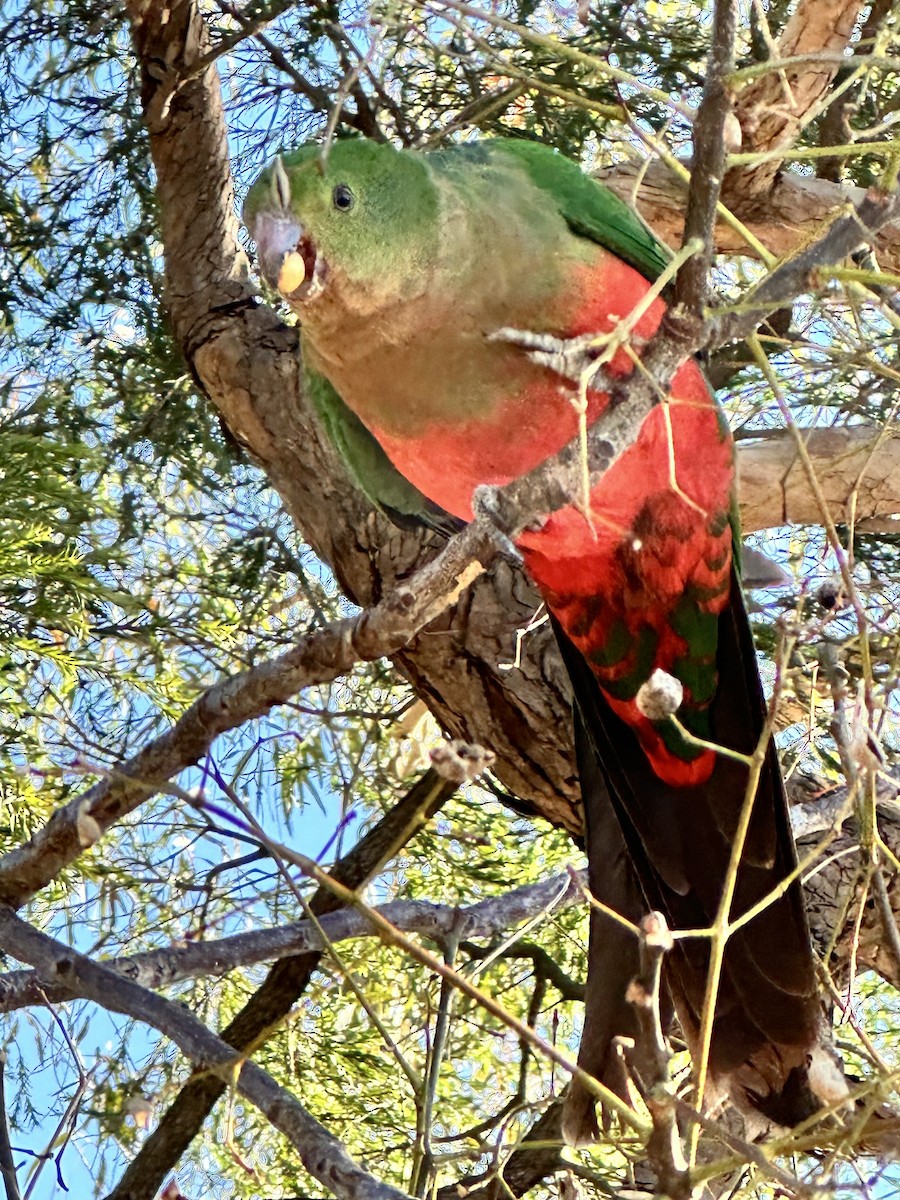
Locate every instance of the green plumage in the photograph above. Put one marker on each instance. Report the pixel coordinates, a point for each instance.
(591, 211)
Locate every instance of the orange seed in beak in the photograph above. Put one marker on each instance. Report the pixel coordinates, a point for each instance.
(292, 273)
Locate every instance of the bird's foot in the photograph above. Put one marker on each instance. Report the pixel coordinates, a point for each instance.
(576, 359)
(486, 508)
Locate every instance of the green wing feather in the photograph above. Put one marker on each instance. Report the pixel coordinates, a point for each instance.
(590, 209)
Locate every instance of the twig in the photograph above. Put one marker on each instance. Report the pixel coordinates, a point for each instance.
(67, 1120)
(652, 1055)
(693, 282)
(424, 1159)
(650, 1061)
(888, 922)
(721, 929)
(7, 1165)
(543, 962)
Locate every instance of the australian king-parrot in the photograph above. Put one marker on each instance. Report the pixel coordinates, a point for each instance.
(412, 275)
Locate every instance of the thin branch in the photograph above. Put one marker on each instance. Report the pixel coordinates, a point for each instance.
(162, 968)
(544, 964)
(317, 658)
(857, 227)
(7, 1164)
(888, 920)
(693, 282)
(650, 1061)
(62, 1135)
(425, 958)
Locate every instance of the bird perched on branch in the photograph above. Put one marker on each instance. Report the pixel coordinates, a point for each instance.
(459, 303)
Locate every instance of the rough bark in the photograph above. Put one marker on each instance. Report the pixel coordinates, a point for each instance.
(772, 109)
(781, 210)
(836, 886)
(795, 209)
(858, 468)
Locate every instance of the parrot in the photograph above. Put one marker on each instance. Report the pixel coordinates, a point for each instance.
(445, 299)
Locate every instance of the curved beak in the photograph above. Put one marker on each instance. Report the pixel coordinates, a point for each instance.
(276, 237)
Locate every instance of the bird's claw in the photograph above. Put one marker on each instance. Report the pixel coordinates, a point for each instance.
(571, 358)
(485, 506)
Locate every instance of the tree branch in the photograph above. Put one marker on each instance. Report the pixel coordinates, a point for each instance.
(773, 492)
(692, 283)
(395, 621)
(248, 363)
(172, 964)
(317, 658)
(853, 463)
(858, 227)
(772, 109)
(331, 651)
(793, 212)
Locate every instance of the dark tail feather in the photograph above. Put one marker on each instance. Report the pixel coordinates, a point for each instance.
(651, 846)
(613, 954)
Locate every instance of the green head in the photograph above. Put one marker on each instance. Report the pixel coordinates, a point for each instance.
(367, 213)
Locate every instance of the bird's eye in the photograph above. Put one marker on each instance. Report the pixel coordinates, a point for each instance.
(343, 198)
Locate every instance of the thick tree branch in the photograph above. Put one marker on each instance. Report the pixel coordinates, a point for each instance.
(247, 361)
(394, 622)
(856, 465)
(323, 1156)
(771, 110)
(387, 627)
(833, 888)
(834, 127)
(795, 210)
